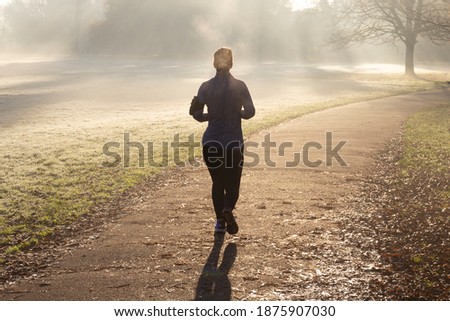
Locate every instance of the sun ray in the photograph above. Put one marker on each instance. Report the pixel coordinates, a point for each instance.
(298, 5)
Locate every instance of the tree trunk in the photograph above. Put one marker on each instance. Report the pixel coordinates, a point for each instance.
(409, 59)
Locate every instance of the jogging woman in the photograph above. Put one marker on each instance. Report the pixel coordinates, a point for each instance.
(228, 101)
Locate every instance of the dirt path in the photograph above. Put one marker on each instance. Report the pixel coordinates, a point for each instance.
(290, 244)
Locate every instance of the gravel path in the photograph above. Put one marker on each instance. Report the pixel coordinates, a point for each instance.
(290, 245)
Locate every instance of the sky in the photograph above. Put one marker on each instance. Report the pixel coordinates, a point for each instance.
(296, 4)
(4, 2)
(302, 4)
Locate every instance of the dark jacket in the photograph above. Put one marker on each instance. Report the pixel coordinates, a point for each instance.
(228, 101)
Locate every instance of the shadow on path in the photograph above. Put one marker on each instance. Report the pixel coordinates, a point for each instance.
(213, 284)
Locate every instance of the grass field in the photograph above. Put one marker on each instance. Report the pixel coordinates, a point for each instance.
(427, 142)
(426, 155)
(56, 118)
(417, 205)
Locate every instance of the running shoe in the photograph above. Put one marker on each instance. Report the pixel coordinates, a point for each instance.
(220, 227)
(232, 226)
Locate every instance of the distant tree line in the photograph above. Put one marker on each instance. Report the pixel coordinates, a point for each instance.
(258, 29)
(264, 29)
(55, 25)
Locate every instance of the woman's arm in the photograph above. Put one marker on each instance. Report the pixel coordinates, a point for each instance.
(196, 110)
(247, 103)
(200, 116)
(197, 106)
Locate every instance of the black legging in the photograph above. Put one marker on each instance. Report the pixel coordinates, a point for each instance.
(225, 168)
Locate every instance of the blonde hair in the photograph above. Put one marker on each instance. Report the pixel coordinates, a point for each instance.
(223, 59)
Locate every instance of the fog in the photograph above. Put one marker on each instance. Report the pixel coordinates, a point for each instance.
(70, 57)
(186, 31)
(156, 53)
(77, 75)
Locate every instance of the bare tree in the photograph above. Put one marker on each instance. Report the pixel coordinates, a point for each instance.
(391, 21)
